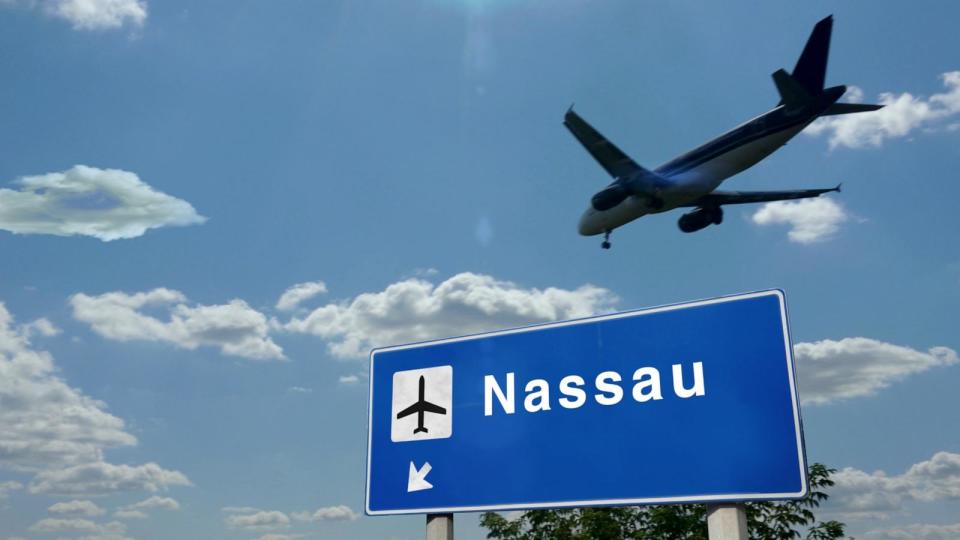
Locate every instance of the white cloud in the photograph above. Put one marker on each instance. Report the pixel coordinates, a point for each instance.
(415, 310)
(301, 292)
(41, 327)
(7, 487)
(299, 390)
(138, 510)
(113, 530)
(98, 14)
(253, 519)
(107, 204)
(859, 495)
(57, 524)
(902, 115)
(166, 503)
(276, 536)
(77, 508)
(102, 478)
(917, 531)
(110, 531)
(831, 370)
(57, 432)
(854, 94)
(810, 220)
(44, 423)
(335, 513)
(349, 379)
(130, 514)
(329, 513)
(234, 327)
(937, 478)
(265, 519)
(240, 510)
(90, 14)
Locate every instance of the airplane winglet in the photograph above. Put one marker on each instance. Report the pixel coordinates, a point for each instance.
(837, 189)
(570, 109)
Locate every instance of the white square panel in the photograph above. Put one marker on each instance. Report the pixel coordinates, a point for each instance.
(422, 404)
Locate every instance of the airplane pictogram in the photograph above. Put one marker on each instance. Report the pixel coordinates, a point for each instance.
(420, 407)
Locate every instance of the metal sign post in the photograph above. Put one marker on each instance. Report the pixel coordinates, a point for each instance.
(439, 526)
(727, 522)
(724, 522)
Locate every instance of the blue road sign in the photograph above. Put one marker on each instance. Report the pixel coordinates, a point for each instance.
(681, 403)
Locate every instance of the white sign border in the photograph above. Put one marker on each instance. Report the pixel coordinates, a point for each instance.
(732, 497)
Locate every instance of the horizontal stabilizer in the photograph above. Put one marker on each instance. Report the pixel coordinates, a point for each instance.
(850, 108)
(792, 93)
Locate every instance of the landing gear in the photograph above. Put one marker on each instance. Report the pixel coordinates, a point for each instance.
(606, 240)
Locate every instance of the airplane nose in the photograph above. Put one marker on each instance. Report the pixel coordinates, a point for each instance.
(587, 225)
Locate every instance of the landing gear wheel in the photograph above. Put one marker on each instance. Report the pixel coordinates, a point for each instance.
(605, 245)
(606, 240)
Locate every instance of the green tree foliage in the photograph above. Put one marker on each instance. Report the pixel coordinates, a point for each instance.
(783, 520)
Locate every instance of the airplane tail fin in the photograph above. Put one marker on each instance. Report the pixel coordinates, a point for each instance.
(420, 430)
(811, 69)
(809, 75)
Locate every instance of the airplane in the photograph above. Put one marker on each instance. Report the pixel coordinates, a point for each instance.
(691, 180)
(420, 407)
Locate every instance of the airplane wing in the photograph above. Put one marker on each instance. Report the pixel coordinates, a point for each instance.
(718, 198)
(408, 411)
(611, 158)
(430, 407)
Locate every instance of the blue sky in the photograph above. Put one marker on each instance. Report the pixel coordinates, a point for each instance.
(172, 169)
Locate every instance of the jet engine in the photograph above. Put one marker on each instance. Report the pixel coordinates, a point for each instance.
(610, 197)
(700, 219)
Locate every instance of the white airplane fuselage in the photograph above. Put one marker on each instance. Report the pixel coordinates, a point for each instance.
(701, 170)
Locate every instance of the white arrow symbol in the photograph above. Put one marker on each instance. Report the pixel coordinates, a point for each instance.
(417, 479)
